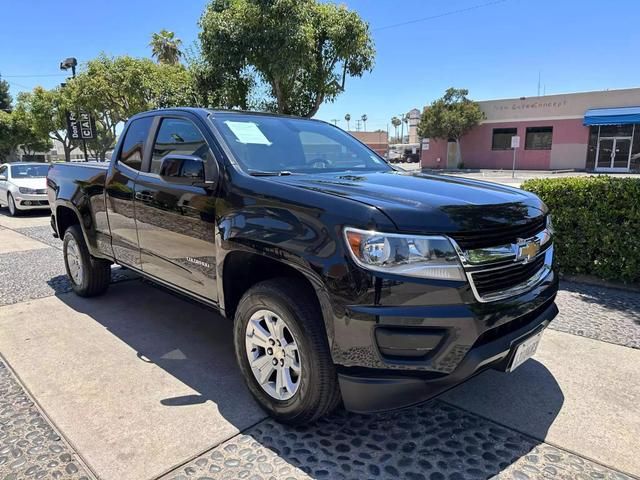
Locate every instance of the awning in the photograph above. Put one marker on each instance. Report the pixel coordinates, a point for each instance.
(612, 116)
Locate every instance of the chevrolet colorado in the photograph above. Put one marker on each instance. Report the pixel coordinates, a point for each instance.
(346, 279)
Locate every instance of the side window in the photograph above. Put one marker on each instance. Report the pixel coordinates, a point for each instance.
(132, 151)
(178, 137)
(3, 172)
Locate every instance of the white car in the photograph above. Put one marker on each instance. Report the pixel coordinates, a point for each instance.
(23, 186)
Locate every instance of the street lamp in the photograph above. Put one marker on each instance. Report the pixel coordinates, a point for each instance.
(69, 63)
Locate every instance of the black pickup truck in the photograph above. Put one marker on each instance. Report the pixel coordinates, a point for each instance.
(346, 279)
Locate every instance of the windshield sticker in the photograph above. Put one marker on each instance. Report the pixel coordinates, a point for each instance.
(247, 132)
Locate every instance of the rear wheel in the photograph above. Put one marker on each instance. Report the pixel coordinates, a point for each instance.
(11, 204)
(89, 276)
(281, 347)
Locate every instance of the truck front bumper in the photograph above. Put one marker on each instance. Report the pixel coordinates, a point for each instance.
(367, 394)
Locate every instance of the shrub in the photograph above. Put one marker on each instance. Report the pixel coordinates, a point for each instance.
(597, 224)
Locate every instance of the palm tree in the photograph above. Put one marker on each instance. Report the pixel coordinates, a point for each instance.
(403, 119)
(347, 117)
(395, 121)
(165, 47)
(364, 120)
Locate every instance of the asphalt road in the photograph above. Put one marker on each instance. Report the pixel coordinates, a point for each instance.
(142, 384)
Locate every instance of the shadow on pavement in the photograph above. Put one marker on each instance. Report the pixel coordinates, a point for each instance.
(42, 212)
(189, 341)
(431, 441)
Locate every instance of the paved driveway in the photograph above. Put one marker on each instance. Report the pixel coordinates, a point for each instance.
(142, 384)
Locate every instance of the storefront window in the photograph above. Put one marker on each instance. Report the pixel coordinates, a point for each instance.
(616, 130)
(502, 138)
(538, 138)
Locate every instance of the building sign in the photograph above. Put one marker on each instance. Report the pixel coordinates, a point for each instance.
(80, 126)
(515, 142)
(527, 105)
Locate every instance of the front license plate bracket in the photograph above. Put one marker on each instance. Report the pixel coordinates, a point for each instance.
(524, 351)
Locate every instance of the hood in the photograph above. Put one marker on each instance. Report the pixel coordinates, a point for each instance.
(417, 202)
(37, 183)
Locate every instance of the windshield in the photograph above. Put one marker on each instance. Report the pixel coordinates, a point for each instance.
(29, 171)
(264, 144)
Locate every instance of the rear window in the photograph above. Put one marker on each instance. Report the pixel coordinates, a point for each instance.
(135, 137)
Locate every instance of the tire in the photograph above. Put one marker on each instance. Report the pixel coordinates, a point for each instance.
(89, 276)
(317, 392)
(11, 205)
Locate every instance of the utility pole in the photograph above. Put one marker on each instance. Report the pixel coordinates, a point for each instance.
(358, 125)
(335, 121)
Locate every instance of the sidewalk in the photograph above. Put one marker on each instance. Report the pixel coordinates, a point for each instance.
(141, 384)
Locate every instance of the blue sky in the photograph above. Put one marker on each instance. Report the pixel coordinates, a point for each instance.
(495, 51)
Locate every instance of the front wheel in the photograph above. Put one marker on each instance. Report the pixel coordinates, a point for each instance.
(282, 350)
(89, 276)
(11, 203)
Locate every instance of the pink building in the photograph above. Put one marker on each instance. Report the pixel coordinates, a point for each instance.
(586, 131)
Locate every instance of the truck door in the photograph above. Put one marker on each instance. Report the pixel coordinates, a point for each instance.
(120, 189)
(175, 211)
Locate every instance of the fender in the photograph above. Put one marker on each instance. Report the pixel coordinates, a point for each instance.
(277, 254)
(87, 226)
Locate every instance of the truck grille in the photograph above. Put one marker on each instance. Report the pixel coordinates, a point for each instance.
(498, 236)
(510, 278)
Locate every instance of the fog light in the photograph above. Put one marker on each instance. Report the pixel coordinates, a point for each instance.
(398, 342)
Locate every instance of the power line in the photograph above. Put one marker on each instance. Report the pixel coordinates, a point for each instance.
(17, 84)
(34, 75)
(440, 15)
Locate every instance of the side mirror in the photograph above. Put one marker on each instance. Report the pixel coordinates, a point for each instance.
(183, 169)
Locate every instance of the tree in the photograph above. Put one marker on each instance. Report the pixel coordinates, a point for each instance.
(47, 112)
(347, 117)
(25, 133)
(5, 97)
(7, 142)
(450, 118)
(112, 89)
(396, 122)
(216, 88)
(364, 119)
(165, 47)
(300, 52)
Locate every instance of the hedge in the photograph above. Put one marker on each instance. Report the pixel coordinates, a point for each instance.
(597, 224)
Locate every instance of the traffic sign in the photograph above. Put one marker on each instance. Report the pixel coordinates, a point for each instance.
(515, 142)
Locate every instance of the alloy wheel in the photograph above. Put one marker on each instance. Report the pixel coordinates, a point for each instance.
(74, 262)
(12, 206)
(273, 355)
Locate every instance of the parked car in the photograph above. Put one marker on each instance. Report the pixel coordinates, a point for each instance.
(346, 279)
(23, 186)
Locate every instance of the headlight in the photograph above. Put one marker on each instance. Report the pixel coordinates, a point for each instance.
(550, 224)
(27, 191)
(409, 255)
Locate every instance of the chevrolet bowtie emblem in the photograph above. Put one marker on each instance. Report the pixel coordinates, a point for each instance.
(527, 250)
